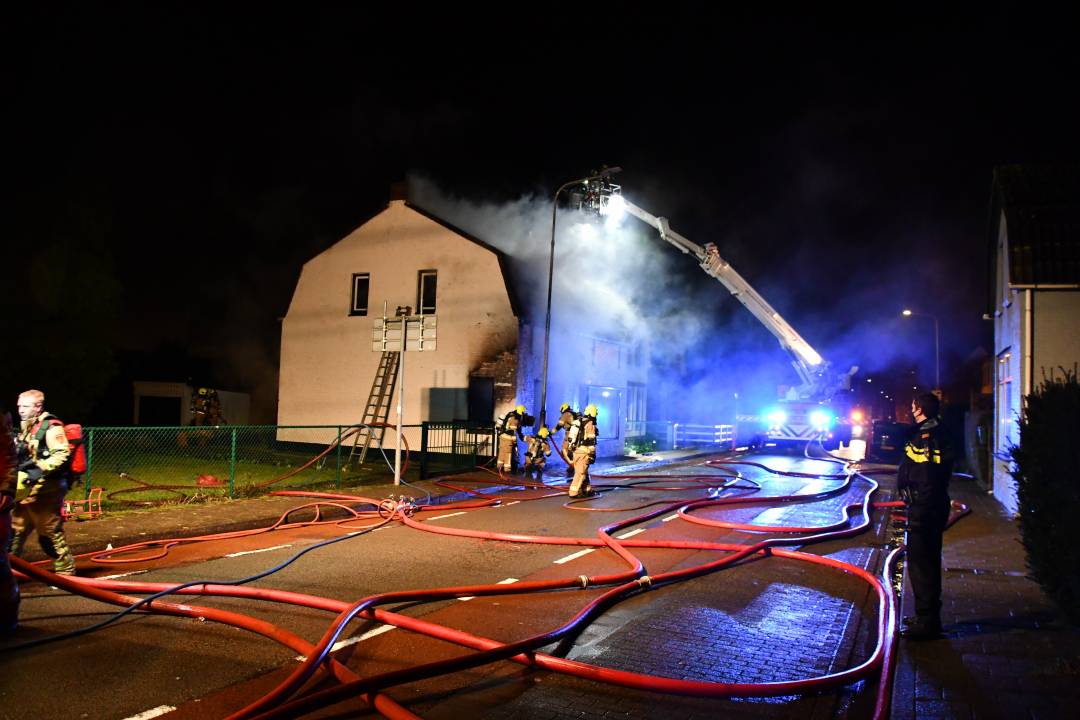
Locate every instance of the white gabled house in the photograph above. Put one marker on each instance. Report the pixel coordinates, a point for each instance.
(1036, 295)
(486, 359)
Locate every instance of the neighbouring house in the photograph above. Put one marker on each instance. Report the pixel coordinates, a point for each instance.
(487, 355)
(1035, 306)
(169, 403)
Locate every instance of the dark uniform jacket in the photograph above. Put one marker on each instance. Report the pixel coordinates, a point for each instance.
(923, 475)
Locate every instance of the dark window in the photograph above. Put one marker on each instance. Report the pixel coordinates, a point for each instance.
(425, 292)
(360, 283)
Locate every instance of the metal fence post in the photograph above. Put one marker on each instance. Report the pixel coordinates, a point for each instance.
(423, 450)
(232, 466)
(89, 462)
(337, 482)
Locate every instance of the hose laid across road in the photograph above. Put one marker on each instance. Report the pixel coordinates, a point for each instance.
(621, 585)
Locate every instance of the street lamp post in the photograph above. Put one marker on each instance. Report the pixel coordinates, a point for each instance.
(551, 271)
(937, 345)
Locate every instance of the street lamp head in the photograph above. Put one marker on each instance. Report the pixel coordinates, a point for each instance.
(906, 313)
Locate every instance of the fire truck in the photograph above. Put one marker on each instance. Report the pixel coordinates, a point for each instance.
(805, 413)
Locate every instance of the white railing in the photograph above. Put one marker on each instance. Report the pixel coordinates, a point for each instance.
(695, 435)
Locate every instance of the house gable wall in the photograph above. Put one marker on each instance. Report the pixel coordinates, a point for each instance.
(327, 364)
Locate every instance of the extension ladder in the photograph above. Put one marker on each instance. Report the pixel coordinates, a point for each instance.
(377, 409)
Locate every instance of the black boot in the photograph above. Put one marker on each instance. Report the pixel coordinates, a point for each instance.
(921, 628)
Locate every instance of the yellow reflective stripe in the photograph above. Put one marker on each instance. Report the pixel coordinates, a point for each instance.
(922, 455)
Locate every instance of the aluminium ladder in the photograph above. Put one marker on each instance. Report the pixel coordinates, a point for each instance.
(377, 409)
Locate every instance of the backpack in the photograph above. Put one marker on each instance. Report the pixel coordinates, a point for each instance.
(76, 464)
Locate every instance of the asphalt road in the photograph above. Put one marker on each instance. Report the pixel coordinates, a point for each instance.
(763, 621)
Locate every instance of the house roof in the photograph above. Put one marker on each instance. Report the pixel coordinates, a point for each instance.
(505, 266)
(1041, 205)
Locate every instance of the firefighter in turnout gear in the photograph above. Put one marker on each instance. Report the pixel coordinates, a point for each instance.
(583, 445)
(9, 587)
(509, 433)
(44, 465)
(206, 407)
(537, 450)
(567, 416)
(923, 482)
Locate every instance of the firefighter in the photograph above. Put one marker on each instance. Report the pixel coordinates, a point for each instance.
(537, 450)
(214, 408)
(205, 407)
(923, 482)
(566, 419)
(509, 434)
(583, 445)
(200, 407)
(9, 587)
(44, 457)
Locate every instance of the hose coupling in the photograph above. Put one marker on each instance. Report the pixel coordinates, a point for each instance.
(644, 582)
(584, 580)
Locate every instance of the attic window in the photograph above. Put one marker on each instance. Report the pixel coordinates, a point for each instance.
(425, 291)
(360, 284)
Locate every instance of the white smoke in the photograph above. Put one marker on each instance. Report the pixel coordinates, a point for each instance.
(614, 282)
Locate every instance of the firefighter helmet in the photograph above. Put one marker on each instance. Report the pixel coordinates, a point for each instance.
(564, 407)
(590, 410)
(542, 432)
(520, 409)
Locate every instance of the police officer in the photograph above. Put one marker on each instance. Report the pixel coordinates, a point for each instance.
(44, 457)
(509, 433)
(583, 445)
(923, 482)
(537, 451)
(566, 419)
(9, 588)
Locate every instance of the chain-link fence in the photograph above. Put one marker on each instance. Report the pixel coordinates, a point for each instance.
(153, 465)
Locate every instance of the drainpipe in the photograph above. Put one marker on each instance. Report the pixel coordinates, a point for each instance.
(1028, 350)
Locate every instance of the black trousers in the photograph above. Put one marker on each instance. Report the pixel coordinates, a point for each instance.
(926, 525)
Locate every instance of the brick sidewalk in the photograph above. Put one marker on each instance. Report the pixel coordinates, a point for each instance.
(1008, 652)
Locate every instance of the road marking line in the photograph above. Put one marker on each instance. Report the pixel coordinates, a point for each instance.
(512, 502)
(440, 517)
(352, 641)
(632, 533)
(572, 556)
(153, 713)
(252, 552)
(114, 577)
(507, 581)
(669, 518)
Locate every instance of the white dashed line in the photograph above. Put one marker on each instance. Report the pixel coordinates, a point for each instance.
(252, 552)
(114, 577)
(352, 641)
(632, 533)
(512, 502)
(572, 556)
(440, 517)
(669, 518)
(507, 581)
(155, 712)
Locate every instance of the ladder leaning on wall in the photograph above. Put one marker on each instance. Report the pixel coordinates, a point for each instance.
(377, 409)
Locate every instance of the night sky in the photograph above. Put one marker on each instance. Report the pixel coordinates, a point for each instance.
(171, 166)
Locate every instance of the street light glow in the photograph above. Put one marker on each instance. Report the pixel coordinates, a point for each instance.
(937, 344)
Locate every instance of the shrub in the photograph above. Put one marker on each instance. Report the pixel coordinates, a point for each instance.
(1046, 464)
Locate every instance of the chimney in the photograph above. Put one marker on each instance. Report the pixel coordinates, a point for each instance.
(399, 190)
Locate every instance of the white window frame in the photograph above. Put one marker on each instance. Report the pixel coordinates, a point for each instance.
(421, 276)
(355, 308)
